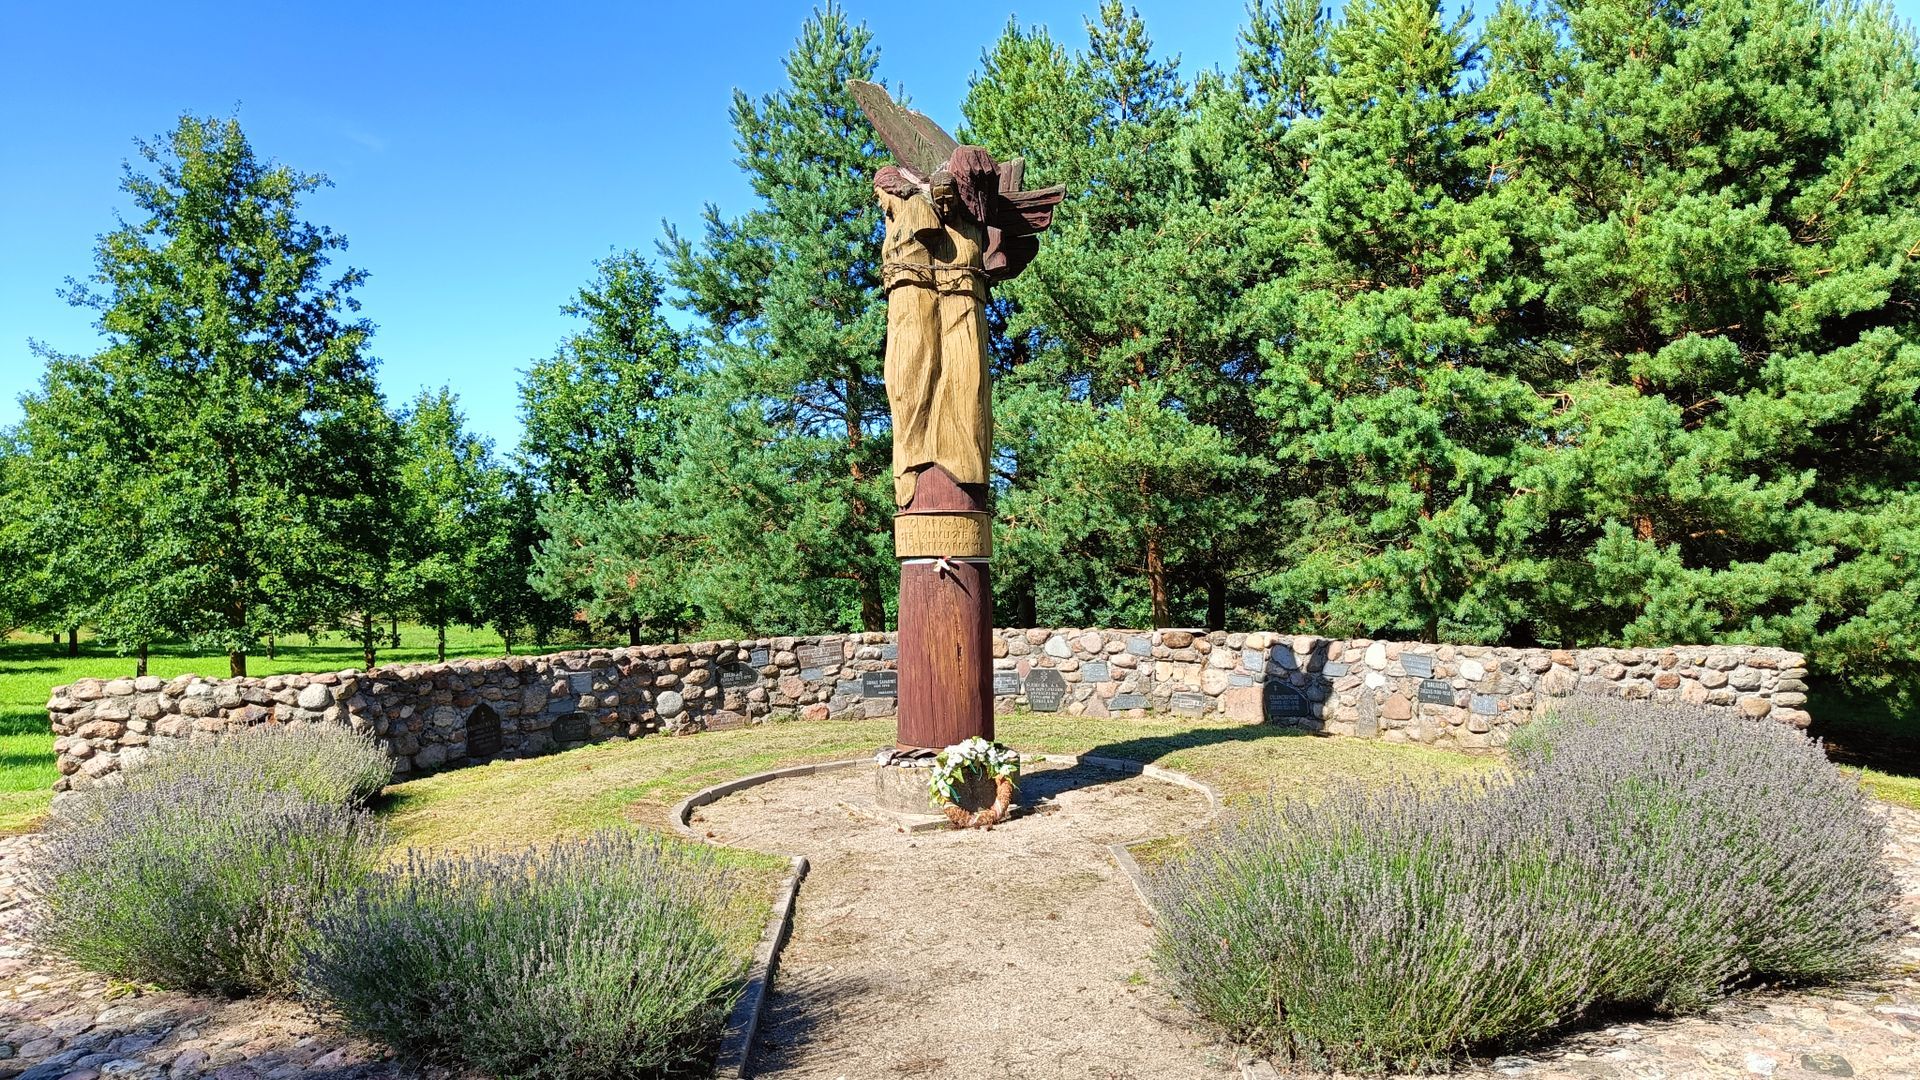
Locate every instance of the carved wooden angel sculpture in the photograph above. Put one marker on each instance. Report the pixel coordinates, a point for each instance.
(957, 222)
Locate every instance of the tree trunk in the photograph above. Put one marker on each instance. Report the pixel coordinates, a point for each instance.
(1026, 604)
(236, 664)
(273, 647)
(73, 641)
(393, 635)
(440, 641)
(633, 631)
(1216, 601)
(873, 608)
(140, 666)
(366, 639)
(1157, 579)
(506, 639)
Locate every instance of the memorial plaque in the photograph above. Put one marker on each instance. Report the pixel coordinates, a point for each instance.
(1119, 702)
(737, 675)
(1098, 671)
(483, 732)
(1239, 680)
(1486, 704)
(1334, 669)
(1418, 665)
(570, 728)
(1190, 704)
(881, 684)
(821, 654)
(1006, 683)
(581, 682)
(1286, 703)
(1046, 690)
(1436, 692)
(761, 657)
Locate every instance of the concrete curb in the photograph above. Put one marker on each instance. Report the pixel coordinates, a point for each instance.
(1122, 853)
(743, 1024)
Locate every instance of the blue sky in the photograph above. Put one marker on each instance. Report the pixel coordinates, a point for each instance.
(483, 155)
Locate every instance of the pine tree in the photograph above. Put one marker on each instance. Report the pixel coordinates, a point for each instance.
(1728, 220)
(795, 327)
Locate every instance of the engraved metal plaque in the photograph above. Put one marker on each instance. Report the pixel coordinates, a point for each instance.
(820, 654)
(1486, 704)
(1098, 671)
(1006, 683)
(1190, 704)
(1436, 692)
(1127, 701)
(738, 675)
(761, 657)
(1418, 665)
(1285, 703)
(483, 732)
(570, 728)
(880, 684)
(1334, 669)
(1046, 690)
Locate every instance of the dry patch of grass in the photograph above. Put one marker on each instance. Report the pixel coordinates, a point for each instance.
(569, 794)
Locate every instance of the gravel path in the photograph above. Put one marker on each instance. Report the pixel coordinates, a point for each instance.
(1021, 952)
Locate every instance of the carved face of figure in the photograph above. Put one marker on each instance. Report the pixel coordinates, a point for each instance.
(944, 193)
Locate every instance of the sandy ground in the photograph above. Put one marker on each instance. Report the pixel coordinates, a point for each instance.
(1020, 952)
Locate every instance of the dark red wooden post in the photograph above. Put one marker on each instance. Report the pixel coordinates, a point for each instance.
(946, 614)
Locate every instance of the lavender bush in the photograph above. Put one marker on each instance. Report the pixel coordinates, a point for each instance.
(1640, 858)
(328, 763)
(195, 886)
(606, 957)
(1740, 829)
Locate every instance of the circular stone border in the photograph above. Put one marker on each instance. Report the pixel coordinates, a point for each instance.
(743, 1023)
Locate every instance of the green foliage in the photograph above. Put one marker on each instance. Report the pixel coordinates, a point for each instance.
(222, 470)
(605, 957)
(785, 476)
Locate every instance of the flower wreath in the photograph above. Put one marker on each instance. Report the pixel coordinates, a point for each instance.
(951, 765)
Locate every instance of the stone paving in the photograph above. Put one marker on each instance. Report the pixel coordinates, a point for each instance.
(1866, 1030)
(60, 1024)
(57, 1023)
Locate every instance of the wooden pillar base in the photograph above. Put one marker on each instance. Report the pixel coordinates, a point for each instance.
(946, 653)
(943, 538)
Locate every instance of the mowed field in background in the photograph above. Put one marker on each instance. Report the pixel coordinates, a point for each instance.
(31, 665)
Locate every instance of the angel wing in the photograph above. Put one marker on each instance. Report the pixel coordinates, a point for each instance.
(915, 140)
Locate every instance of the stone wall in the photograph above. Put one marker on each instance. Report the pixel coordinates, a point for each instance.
(436, 715)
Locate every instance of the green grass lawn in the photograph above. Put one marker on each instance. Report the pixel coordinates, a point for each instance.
(1874, 736)
(30, 666)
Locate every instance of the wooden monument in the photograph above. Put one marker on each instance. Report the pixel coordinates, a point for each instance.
(956, 222)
